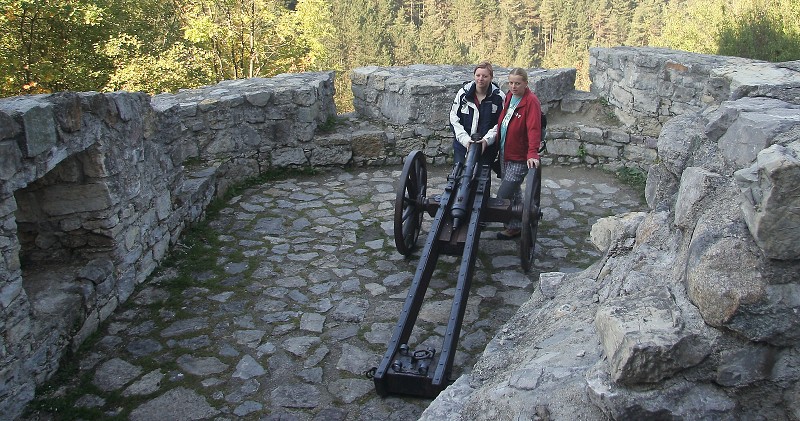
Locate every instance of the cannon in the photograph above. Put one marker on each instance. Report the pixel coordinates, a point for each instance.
(459, 215)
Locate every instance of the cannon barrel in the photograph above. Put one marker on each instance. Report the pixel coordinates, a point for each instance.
(461, 212)
(464, 186)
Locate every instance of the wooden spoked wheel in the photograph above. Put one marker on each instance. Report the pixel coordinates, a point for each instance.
(409, 204)
(531, 214)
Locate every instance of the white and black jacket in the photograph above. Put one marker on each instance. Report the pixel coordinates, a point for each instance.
(467, 118)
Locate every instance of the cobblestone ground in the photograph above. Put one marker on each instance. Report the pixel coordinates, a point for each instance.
(302, 299)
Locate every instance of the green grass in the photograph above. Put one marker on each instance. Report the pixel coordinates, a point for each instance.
(633, 177)
(582, 151)
(329, 125)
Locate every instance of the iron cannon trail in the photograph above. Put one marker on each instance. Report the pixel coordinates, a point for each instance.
(460, 213)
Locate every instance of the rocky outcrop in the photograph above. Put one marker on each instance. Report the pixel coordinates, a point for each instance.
(692, 313)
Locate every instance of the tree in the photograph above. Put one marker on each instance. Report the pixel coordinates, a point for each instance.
(603, 24)
(49, 45)
(313, 21)
(646, 22)
(693, 25)
(764, 30)
(180, 66)
(247, 38)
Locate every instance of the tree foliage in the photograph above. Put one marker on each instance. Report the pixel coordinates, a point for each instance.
(157, 46)
(49, 45)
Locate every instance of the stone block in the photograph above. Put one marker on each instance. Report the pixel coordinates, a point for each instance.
(223, 143)
(615, 229)
(161, 246)
(645, 102)
(10, 291)
(89, 326)
(259, 99)
(674, 400)
(304, 97)
(66, 199)
(128, 104)
(696, 185)
(549, 283)
(745, 366)
(38, 124)
(8, 127)
(759, 122)
(331, 155)
(640, 154)
(622, 98)
(563, 147)
(644, 337)
(288, 156)
(370, 145)
(163, 205)
(97, 270)
(405, 146)
(10, 159)
(67, 111)
(573, 102)
(618, 136)
(724, 280)
(606, 151)
(591, 134)
(770, 200)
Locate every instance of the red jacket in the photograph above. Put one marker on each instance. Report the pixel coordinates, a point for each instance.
(524, 133)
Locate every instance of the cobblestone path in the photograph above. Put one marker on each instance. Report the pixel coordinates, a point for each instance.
(301, 300)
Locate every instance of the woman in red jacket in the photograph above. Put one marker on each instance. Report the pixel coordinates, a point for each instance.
(520, 135)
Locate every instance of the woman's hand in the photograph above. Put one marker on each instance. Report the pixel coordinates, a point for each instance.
(533, 162)
(483, 142)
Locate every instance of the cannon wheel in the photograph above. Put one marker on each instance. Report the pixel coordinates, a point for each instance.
(531, 213)
(408, 206)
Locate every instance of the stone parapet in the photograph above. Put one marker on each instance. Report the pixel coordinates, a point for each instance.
(95, 189)
(649, 86)
(412, 103)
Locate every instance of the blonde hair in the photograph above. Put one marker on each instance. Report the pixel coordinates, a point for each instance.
(519, 71)
(484, 65)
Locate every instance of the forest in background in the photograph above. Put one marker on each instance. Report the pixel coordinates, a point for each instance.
(161, 46)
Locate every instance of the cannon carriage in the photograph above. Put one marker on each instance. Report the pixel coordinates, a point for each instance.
(459, 215)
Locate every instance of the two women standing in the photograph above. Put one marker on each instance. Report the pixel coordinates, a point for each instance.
(510, 123)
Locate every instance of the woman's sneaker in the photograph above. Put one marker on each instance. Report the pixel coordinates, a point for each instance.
(508, 234)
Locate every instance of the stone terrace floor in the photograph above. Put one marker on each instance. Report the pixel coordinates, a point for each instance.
(306, 290)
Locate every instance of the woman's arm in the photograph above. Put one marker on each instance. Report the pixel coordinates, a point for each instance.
(455, 121)
(492, 133)
(533, 123)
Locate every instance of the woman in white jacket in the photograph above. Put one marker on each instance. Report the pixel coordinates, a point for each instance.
(474, 113)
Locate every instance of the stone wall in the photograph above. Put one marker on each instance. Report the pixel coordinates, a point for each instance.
(95, 188)
(649, 86)
(411, 105)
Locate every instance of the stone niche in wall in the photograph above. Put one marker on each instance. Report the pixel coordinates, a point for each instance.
(64, 221)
